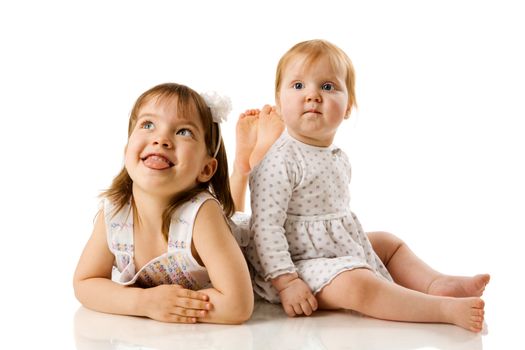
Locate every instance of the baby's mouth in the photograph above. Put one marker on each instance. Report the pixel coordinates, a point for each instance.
(157, 162)
(312, 110)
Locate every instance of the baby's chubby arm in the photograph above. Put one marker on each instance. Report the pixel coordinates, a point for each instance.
(95, 289)
(296, 296)
(231, 294)
(273, 259)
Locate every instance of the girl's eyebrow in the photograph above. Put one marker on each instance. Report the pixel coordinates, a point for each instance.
(146, 115)
(187, 122)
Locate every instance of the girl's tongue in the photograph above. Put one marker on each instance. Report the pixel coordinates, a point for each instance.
(157, 162)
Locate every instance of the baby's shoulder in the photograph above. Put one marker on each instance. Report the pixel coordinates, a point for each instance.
(283, 151)
(278, 160)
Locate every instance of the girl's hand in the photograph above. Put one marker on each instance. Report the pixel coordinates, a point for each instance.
(297, 298)
(172, 303)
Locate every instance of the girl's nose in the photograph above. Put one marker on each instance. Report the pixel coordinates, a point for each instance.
(163, 142)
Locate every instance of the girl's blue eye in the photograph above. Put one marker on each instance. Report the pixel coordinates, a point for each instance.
(328, 87)
(147, 125)
(298, 86)
(185, 132)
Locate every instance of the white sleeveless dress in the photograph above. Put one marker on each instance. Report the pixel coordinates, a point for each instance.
(177, 265)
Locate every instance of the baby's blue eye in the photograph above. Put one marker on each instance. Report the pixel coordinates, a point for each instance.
(147, 125)
(298, 86)
(328, 87)
(185, 132)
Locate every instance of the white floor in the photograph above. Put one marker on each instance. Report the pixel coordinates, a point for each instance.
(268, 329)
(40, 314)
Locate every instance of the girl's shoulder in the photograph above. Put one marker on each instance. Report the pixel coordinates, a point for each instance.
(114, 210)
(202, 197)
(118, 221)
(202, 204)
(209, 217)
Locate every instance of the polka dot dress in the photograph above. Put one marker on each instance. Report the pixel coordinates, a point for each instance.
(301, 220)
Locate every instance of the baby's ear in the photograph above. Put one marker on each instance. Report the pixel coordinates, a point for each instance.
(277, 106)
(208, 170)
(348, 111)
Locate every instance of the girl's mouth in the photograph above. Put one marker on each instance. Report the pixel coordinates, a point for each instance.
(157, 162)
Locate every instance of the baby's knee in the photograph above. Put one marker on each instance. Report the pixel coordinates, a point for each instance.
(357, 284)
(384, 239)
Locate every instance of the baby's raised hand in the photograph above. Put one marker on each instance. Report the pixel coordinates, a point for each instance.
(172, 303)
(297, 298)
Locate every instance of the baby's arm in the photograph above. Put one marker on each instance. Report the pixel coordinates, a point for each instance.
(231, 294)
(271, 187)
(95, 289)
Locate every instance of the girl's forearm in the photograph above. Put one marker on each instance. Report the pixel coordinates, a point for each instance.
(233, 308)
(104, 295)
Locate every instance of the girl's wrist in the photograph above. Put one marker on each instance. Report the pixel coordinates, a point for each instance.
(140, 299)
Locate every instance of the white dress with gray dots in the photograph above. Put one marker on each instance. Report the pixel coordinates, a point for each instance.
(301, 219)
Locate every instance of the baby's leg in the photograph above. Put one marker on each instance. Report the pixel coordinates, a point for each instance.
(459, 286)
(245, 138)
(269, 129)
(411, 272)
(361, 290)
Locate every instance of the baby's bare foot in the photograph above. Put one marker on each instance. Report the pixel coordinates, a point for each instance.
(468, 313)
(459, 286)
(246, 138)
(270, 128)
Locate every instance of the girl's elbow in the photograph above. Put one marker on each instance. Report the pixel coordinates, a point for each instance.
(241, 309)
(79, 291)
(76, 287)
(245, 310)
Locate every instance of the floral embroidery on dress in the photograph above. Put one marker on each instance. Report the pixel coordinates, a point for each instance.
(125, 247)
(177, 244)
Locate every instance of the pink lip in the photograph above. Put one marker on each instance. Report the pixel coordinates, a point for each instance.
(312, 111)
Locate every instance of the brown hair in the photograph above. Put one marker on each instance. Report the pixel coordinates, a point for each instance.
(314, 50)
(189, 102)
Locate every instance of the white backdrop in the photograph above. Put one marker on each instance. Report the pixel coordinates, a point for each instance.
(436, 144)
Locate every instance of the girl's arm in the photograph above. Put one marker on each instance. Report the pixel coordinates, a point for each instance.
(231, 294)
(95, 289)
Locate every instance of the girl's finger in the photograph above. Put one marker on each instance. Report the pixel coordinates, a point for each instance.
(192, 304)
(180, 311)
(191, 294)
(181, 319)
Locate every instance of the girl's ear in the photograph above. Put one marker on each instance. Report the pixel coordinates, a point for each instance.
(208, 170)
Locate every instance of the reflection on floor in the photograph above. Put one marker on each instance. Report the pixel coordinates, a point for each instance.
(269, 328)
